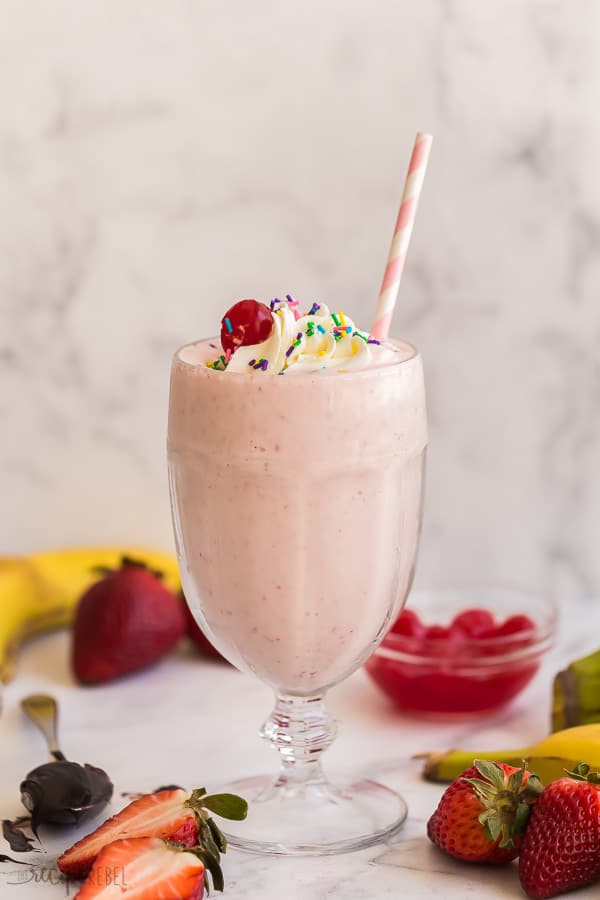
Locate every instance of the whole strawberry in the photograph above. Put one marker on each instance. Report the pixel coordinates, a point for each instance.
(561, 849)
(482, 815)
(124, 622)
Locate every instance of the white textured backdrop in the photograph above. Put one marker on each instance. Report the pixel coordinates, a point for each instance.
(160, 158)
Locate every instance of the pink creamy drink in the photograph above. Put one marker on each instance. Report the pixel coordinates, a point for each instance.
(297, 498)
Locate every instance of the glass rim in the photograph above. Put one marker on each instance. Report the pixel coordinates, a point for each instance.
(545, 615)
(367, 371)
(477, 664)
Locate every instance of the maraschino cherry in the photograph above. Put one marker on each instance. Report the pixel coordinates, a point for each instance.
(247, 322)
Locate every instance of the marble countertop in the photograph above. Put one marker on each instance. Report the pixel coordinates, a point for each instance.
(194, 722)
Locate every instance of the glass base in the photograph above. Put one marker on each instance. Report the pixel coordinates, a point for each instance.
(314, 818)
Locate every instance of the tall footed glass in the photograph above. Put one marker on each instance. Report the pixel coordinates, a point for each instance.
(297, 507)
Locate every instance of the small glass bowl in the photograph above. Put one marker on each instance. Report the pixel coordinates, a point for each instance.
(450, 677)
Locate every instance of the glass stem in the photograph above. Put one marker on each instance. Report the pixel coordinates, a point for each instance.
(300, 729)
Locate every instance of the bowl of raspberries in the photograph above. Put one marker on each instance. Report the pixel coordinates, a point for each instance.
(459, 653)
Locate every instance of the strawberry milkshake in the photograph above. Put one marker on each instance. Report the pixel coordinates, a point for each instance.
(296, 462)
(296, 455)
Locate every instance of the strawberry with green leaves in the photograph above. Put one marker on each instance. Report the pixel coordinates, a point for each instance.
(482, 815)
(561, 849)
(168, 814)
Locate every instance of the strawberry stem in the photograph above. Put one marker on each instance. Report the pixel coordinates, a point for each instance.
(127, 562)
(506, 802)
(581, 772)
(211, 840)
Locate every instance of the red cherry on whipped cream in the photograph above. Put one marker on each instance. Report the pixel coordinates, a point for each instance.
(247, 322)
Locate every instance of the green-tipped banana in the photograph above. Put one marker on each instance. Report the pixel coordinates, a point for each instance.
(576, 693)
(548, 758)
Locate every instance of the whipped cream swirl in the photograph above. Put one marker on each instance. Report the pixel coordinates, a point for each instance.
(317, 341)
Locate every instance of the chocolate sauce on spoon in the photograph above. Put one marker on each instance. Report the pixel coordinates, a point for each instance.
(60, 792)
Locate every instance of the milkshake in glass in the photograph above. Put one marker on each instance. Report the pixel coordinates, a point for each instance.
(296, 457)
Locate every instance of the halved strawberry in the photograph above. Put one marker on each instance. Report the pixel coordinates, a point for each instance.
(147, 869)
(170, 814)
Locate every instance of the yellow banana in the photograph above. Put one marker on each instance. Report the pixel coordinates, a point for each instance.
(40, 592)
(548, 758)
(66, 574)
(22, 613)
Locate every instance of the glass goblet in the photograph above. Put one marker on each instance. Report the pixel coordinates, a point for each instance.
(297, 506)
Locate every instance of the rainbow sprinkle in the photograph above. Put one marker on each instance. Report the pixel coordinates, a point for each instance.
(336, 319)
(220, 364)
(314, 309)
(321, 329)
(373, 341)
(295, 344)
(228, 325)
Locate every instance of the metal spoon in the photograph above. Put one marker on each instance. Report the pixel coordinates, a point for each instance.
(42, 710)
(60, 792)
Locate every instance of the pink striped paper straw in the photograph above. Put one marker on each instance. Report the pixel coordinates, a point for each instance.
(388, 293)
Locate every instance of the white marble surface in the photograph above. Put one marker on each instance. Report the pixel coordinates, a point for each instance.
(158, 159)
(191, 722)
